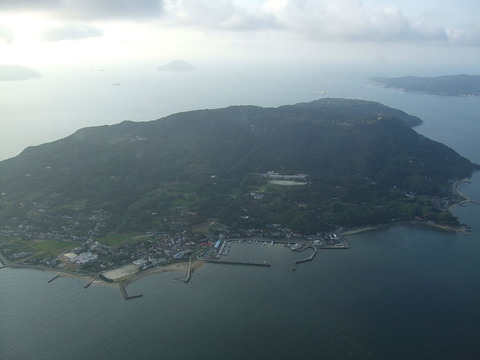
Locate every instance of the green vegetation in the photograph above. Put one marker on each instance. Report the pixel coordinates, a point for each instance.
(456, 85)
(365, 166)
(51, 246)
(115, 239)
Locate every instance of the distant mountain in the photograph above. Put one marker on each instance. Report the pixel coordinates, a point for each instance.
(17, 72)
(177, 65)
(193, 168)
(455, 85)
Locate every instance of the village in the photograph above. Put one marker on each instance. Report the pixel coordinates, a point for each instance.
(148, 250)
(66, 249)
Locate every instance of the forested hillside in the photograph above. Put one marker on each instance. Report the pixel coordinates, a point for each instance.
(192, 168)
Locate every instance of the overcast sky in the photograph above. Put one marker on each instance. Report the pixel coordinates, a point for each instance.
(41, 32)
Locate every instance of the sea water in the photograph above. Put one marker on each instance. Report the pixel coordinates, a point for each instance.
(401, 293)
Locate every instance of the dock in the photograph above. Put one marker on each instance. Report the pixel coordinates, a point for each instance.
(254, 263)
(49, 281)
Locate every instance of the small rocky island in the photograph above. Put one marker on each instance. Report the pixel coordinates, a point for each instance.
(177, 66)
(453, 85)
(17, 72)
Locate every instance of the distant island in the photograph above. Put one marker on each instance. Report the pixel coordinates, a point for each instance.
(159, 192)
(454, 85)
(17, 72)
(177, 65)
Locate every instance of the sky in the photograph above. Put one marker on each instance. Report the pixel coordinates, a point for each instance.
(51, 32)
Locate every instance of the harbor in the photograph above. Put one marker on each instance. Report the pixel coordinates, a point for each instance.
(221, 249)
(218, 253)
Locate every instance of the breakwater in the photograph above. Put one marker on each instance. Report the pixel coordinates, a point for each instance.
(123, 290)
(254, 263)
(49, 281)
(310, 258)
(189, 271)
(90, 283)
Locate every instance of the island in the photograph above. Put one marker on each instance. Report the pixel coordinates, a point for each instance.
(17, 72)
(134, 197)
(177, 66)
(453, 85)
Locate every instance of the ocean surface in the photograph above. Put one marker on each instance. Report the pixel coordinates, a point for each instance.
(401, 293)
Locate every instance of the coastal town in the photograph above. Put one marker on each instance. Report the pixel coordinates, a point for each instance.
(153, 249)
(94, 253)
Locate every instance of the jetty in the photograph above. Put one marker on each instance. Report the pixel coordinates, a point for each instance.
(49, 281)
(310, 258)
(189, 271)
(466, 198)
(90, 283)
(254, 263)
(123, 290)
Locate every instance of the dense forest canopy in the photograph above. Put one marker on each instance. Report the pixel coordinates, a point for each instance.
(187, 169)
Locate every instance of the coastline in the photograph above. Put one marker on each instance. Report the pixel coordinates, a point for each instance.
(176, 267)
(461, 228)
(8, 263)
(466, 198)
(127, 279)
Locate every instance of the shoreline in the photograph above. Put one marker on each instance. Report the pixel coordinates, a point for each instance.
(183, 266)
(176, 267)
(127, 280)
(466, 198)
(8, 263)
(461, 228)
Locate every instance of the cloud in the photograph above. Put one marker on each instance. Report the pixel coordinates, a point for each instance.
(466, 36)
(71, 32)
(5, 34)
(34, 5)
(112, 9)
(317, 20)
(88, 9)
(350, 20)
(219, 14)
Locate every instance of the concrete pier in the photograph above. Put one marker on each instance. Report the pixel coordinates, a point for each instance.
(254, 263)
